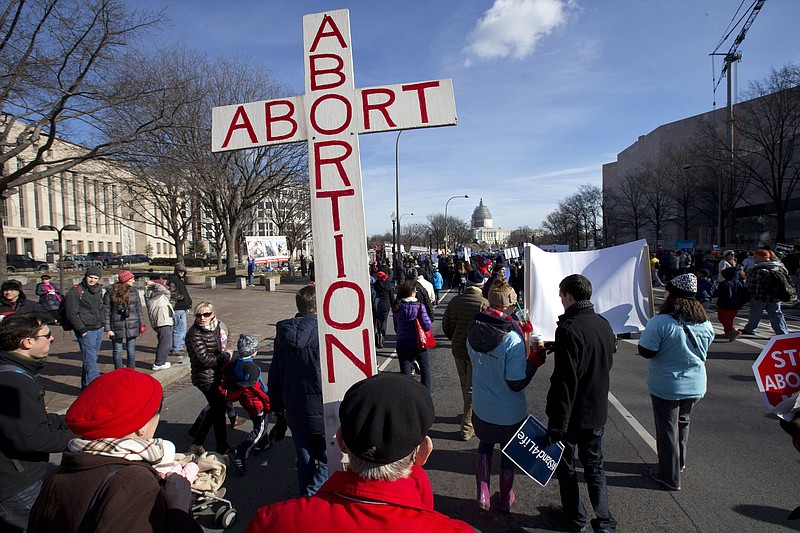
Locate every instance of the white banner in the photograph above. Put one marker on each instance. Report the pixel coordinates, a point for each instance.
(620, 279)
(267, 249)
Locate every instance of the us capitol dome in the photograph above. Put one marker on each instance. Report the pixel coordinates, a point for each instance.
(482, 227)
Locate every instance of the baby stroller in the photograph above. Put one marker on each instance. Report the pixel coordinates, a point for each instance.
(206, 473)
(225, 515)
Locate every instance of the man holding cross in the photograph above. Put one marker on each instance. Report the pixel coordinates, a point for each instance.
(385, 488)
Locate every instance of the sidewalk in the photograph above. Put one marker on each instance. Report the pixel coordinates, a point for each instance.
(253, 311)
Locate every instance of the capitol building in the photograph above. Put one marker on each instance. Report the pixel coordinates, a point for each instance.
(482, 230)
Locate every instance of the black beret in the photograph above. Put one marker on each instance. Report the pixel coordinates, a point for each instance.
(385, 417)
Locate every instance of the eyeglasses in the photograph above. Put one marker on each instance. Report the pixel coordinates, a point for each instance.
(204, 315)
(49, 334)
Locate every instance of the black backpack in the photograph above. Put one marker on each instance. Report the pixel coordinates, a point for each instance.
(779, 285)
(63, 320)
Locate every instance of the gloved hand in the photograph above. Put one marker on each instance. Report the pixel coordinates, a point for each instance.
(142, 328)
(554, 435)
(278, 431)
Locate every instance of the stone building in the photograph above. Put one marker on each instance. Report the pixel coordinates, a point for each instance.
(483, 230)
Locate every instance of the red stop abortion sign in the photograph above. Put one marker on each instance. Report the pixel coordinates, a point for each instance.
(777, 369)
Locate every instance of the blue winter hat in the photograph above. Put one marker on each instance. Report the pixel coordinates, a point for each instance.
(247, 345)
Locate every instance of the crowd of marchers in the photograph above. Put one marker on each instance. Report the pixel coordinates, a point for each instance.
(131, 480)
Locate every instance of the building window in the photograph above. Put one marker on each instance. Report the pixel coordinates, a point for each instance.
(98, 217)
(106, 217)
(64, 202)
(51, 201)
(5, 211)
(87, 218)
(80, 247)
(91, 246)
(75, 205)
(68, 247)
(37, 203)
(21, 195)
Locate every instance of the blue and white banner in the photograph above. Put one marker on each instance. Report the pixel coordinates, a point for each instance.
(532, 452)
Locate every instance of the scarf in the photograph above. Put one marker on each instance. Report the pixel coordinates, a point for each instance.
(211, 326)
(491, 311)
(147, 450)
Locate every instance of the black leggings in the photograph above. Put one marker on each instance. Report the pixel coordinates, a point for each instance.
(215, 416)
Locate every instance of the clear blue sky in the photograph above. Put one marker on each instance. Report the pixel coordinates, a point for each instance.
(547, 91)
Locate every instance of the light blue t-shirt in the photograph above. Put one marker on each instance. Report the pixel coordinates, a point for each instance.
(678, 370)
(492, 400)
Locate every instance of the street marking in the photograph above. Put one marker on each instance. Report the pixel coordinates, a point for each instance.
(637, 427)
(389, 358)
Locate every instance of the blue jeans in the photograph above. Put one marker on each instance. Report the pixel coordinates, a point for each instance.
(179, 330)
(407, 356)
(90, 348)
(15, 510)
(774, 313)
(589, 444)
(312, 462)
(116, 351)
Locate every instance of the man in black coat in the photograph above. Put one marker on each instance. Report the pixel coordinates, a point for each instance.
(577, 404)
(182, 304)
(295, 389)
(84, 307)
(28, 434)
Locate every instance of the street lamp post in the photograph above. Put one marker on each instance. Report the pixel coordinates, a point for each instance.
(445, 218)
(399, 239)
(397, 197)
(68, 227)
(394, 242)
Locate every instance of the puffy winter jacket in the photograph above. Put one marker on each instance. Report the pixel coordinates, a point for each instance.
(85, 308)
(123, 320)
(294, 381)
(459, 315)
(207, 353)
(404, 326)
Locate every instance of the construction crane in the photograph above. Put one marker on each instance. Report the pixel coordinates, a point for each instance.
(733, 54)
(727, 70)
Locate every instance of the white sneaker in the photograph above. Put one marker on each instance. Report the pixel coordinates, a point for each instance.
(162, 367)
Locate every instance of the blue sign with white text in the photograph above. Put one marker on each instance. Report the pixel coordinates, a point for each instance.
(532, 452)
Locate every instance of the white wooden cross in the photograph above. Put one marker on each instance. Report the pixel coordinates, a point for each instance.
(330, 116)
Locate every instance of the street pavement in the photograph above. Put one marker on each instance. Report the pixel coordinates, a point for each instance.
(741, 472)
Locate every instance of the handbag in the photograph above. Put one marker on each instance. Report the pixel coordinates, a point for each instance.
(425, 339)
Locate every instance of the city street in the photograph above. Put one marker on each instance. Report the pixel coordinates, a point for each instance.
(741, 471)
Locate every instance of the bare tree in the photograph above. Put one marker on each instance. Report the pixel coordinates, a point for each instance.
(522, 235)
(630, 200)
(768, 132)
(61, 77)
(658, 196)
(558, 227)
(591, 200)
(234, 183)
(456, 229)
(291, 213)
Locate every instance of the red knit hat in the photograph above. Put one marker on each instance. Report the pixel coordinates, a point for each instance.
(125, 275)
(115, 404)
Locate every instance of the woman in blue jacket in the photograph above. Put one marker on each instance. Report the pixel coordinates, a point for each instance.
(675, 342)
(405, 311)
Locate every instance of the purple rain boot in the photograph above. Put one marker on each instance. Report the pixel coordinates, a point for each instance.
(483, 471)
(507, 496)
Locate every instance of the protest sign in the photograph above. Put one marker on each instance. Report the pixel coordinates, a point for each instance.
(532, 452)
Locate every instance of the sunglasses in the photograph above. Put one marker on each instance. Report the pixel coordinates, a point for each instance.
(204, 315)
(49, 334)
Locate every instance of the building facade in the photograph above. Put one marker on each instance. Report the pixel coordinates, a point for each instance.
(91, 196)
(702, 184)
(483, 230)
